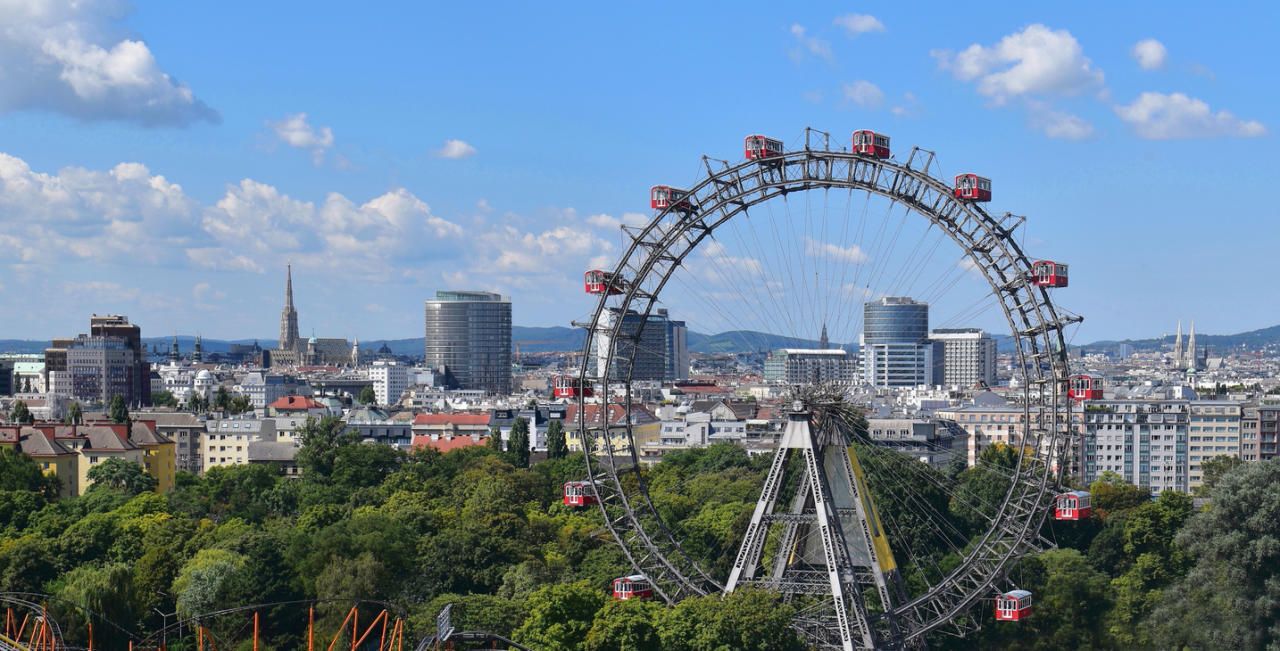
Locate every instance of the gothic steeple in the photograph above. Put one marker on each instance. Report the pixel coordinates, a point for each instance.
(288, 315)
(1177, 348)
(823, 342)
(1193, 357)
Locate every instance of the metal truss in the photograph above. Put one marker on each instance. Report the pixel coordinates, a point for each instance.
(659, 248)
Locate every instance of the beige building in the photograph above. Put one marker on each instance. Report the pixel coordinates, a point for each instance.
(226, 440)
(1213, 430)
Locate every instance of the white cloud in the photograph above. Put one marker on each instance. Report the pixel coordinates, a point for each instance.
(1157, 116)
(73, 58)
(1037, 61)
(810, 45)
(857, 24)
(1150, 54)
(864, 94)
(456, 149)
(853, 254)
(205, 292)
(910, 106)
(1057, 124)
(295, 131)
(610, 222)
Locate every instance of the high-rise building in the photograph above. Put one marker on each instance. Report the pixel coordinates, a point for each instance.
(677, 348)
(809, 366)
(1144, 441)
(468, 340)
(390, 380)
(139, 376)
(1213, 431)
(895, 346)
(968, 356)
(96, 367)
(642, 350)
(1260, 432)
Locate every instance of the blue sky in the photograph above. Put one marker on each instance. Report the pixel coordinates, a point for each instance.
(165, 160)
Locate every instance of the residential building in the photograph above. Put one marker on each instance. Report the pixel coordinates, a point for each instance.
(1142, 440)
(376, 425)
(968, 356)
(895, 346)
(923, 439)
(226, 440)
(264, 388)
(297, 407)
(809, 366)
(279, 454)
(185, 430)
(468, 340)
(390, 380)
(1260, 432)
(451, 425)
(1213, 430)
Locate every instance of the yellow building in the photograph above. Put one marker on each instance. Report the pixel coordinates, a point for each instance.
(159, 454)
(54, 459)
(644, 427)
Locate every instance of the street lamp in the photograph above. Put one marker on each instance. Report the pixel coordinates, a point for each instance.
(164, 622)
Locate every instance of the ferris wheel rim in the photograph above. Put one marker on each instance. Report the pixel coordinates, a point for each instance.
(909, 183)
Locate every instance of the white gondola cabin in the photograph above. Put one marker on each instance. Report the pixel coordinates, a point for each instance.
(568, 386)
(759, 147)
(1085, 386)
(662, 197)
(1013, 606)
(1072, 505)
(972, 187)
(579, 493)
(1047, 273)
(870, 143)
(635, 586)
(597, 281)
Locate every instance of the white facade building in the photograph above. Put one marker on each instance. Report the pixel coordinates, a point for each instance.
(226, 440)
(809, 366)
(390, 380)
(968, 356)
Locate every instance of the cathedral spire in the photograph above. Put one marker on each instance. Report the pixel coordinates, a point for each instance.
(823, 342)
(1193, 357)
(288, 315)
(1177, 347)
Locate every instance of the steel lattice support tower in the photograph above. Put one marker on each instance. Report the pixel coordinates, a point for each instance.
(831, 543)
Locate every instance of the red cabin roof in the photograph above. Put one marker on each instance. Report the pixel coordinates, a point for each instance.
(973, 187)
(870, 143)
(758, 147)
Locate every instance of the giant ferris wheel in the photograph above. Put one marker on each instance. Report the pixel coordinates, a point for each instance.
(790, 240)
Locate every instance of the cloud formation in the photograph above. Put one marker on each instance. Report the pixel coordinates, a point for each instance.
(808, 45)
(295, 131)
(864, 94)
(1036, 61)
(858, 24)
(1150, 54)
(1159, 116)
(71, 58)
(456, 149)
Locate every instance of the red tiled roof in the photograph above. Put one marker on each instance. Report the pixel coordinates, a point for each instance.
(448, 443)
(451, 419)
(617, 415)
(295, 403)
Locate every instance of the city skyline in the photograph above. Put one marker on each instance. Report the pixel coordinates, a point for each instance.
(177, 194)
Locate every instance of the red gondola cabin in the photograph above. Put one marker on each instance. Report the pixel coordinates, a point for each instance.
(1085, 386)
(568, 386)
(662, 197)
(632, 587)
(762, 147)
(972, 187)
(870, 143)
(601, 282)
(1074, 505)
(1013, 606)
(579, 493)
(1047, 273)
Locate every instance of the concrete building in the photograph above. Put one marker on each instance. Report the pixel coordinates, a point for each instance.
(96, 367)
(895, 346)
(375, 425)
(809, 366)
(653, 357)
(390, 380)
(185, 430)
(1213, 430)
(968, 356)
(468, 340)
(226, 440)
(264, 388)
(923, 439)
(1143, 440)
(677, 348)
(1260, 432)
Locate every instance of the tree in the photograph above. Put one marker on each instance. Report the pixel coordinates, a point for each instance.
(1071, 598)
(118, 411)
(560, 616)
(1213, 470)
(495, 439)
(321, 440)
(21, 414)
(1110, 493)
(630, 625)
(163, 399)
(19, 472)
(75, 415)
(240, 405)
(556, 446)
(206, 580)
(367, 396)
(222, 399)
(122, 475)
(745, 620)
(104, 590)
(518, 446)
(1230, 598)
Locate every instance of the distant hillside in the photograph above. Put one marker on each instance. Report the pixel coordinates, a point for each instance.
(739, 341)
(1253, 339)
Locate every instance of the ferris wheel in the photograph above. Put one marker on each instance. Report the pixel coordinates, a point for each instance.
(797, 242)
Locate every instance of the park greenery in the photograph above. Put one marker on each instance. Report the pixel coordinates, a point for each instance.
(485, 530)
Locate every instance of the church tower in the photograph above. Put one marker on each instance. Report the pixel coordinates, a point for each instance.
(823, 342)
(355, 353)
(1177, 348)
(1193, 355)
(288, 315)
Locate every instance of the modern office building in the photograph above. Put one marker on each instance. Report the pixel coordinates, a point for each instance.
(96, 367)
(468, 340)
(677, 348)
(809, 366)
(658, 351)
(968, 356)
(895, 346)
